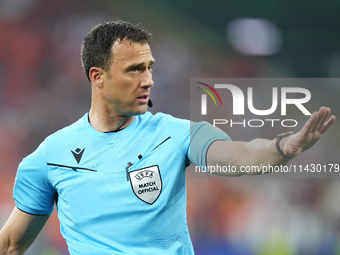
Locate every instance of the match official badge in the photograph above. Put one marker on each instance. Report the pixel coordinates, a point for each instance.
(146, 183)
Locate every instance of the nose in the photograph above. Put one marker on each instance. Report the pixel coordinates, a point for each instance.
(147, 79)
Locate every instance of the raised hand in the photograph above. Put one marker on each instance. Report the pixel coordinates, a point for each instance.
(312, 131)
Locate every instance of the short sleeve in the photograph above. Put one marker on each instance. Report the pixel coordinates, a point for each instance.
(202, 135)
(194, 138)
(33, 193)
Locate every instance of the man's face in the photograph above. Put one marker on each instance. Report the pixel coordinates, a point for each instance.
(128, 82)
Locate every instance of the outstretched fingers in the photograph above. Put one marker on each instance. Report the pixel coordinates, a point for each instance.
(311, 124)
(318, 122)
(324, 112)
(312, 131)
(327, 124)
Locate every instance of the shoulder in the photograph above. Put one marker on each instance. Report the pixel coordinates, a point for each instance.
(62, 142)
(69, 131)
(162, 120)
(53, 142)
(167, 126)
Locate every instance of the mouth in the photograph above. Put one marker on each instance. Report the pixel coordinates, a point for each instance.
(143, 99)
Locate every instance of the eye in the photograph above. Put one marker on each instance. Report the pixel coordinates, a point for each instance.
(151, 68)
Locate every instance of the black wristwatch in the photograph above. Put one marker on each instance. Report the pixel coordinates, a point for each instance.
(278, 139)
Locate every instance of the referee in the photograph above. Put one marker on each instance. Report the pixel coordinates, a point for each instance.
(117, 175)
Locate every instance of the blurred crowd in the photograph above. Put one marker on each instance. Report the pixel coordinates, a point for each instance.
(43, 88)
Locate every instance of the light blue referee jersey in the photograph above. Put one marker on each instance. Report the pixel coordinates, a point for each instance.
(120, 192)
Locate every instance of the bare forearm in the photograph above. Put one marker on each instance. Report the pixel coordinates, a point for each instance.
(263, 152)
(12, 252)
(5, 246)
(19, 232)
(245, 154)
(269, 152)
(10, 248)
(260, 152)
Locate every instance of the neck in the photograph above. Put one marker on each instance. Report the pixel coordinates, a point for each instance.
(103, 118)
(108, 123)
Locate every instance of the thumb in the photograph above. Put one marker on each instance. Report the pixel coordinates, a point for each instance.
(288, 150)
(292, 146)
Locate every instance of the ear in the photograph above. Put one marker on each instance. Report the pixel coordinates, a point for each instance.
(96, 76)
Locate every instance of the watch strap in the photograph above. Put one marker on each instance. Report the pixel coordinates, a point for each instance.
(278, 139)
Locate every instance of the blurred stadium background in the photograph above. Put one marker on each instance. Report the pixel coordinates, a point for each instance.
(43, 88)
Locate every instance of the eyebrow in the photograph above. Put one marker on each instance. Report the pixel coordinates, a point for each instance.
(134, 66)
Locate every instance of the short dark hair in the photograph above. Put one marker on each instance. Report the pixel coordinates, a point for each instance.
(96, 47)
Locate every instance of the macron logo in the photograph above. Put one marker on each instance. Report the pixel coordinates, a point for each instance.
(78, 153)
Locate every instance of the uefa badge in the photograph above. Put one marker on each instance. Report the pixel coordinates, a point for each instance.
(146, 183)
